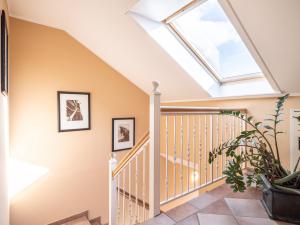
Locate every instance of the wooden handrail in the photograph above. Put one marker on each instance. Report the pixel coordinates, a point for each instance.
(130, 154)
(192, 109)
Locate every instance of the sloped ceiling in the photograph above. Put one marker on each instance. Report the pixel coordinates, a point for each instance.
(275, 31)
(104, 28)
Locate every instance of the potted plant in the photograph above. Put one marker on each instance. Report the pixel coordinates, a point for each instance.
(281, 188)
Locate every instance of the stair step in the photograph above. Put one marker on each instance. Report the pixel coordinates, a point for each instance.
(95, 223)
(80, 221)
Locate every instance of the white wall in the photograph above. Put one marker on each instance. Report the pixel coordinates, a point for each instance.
(4, 205)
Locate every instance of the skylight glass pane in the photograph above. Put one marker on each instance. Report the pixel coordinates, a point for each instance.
(209, 31)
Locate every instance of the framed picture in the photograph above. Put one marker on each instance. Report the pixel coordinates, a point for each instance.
(73, 111)
(4, 55)
(123, 133)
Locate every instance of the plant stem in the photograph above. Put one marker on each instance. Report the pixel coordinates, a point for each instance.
(297, 164)
(288, 190)
(275, 138)
(287, 178)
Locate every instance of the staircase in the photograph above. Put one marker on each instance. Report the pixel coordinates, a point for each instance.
(78, 219)
(170, 161)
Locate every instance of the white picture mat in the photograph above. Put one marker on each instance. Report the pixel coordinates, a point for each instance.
(123, 145)
(84, 107)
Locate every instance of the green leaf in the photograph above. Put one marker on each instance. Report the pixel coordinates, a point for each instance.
(257, 124)
(270, 120)
(268, 127)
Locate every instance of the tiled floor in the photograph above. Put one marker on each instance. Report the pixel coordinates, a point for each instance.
(219, 207)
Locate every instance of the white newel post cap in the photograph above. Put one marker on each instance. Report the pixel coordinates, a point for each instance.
(155, 87)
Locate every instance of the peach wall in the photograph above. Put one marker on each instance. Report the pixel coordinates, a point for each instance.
(45, 60)
(258, 107)
(4, 207)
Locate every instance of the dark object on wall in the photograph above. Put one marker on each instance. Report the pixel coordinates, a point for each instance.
(4, 54)
(280, 205)
(123, 133)
(73, 111)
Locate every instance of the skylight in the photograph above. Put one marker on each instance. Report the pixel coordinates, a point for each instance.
(206, 30)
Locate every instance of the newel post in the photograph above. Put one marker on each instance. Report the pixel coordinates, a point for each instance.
(112, 191)
(154, 173)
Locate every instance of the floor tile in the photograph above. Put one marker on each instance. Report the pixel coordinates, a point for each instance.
(203, 201)
(192, 220)
(221, 191)
(162, 219)
(249, 193)
(181, 212)
(219, 207)
(246, 207)
(213, 219)
(255, 221)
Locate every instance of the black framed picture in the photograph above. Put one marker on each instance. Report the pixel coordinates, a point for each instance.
(4, 54)
(73, 111)
(123, 133)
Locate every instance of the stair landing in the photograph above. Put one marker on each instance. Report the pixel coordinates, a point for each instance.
(219, 207)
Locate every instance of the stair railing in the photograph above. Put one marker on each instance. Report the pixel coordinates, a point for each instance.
(134, 183)
(170, 161)
(128, 192)
(188, 135)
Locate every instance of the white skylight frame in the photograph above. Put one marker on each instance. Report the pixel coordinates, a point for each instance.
(152, 16)
(169, 22)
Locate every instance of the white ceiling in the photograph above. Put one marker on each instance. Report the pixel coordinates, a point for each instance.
(104, 28)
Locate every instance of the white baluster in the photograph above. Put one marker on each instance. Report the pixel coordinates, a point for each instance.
(188, 151)
(230, 127)
(200, 149)
(239, 123)
(123, 209)
(129, 192)
(211, 147)
(229, 136)
(217, 145)
(113, 192)
(194, 149)
(233, 126)
(118, 200)
(144, 184)
(181, 148)
(137, 211)
(205, 148)
(167, 158)
(223, 139)
(175, 181)
(243, 148)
